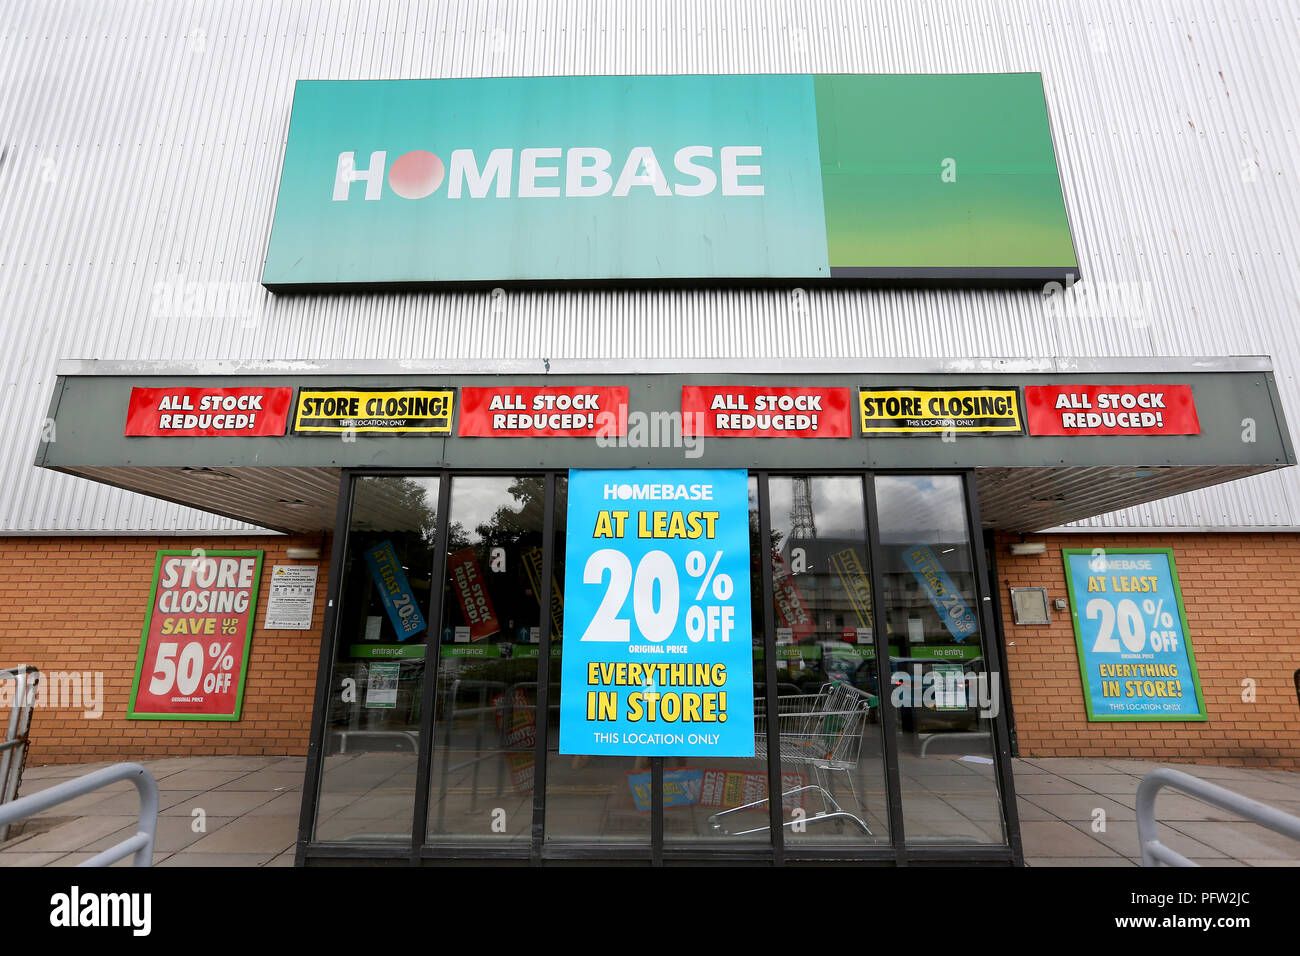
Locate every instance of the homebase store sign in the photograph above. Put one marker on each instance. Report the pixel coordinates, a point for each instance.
(794, 177)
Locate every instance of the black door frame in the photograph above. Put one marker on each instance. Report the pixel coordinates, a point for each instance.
(418, 851)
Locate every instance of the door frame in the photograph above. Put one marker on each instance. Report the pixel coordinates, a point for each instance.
(657, 853)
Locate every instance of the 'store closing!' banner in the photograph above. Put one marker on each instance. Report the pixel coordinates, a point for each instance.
(197, 631)
(657, 639)
(1135, 654)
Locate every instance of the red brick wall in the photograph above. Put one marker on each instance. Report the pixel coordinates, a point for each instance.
(1242, 597)
(78, 604)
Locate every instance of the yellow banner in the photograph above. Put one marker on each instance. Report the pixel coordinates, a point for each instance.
(857, 585)
(906, 411)
(533, 565)
(373, 411)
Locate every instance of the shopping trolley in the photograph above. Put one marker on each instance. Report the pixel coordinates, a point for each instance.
(823, 731)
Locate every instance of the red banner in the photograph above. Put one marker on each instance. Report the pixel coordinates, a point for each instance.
(790, 606)
(517, 731)
(194, 649)
(756, 411)
(471, 591)
(1111, 410)
(208, 412)
(735, 788)
(544, 411)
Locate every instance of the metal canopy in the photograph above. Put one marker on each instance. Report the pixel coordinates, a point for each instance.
(1025, 483)
(293, 500)
(301, 500)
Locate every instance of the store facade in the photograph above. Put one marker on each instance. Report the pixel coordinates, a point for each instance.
(436, 726)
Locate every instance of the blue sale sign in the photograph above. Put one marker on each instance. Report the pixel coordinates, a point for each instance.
(1135, 655)
(395, 590)
(943, 595)
(657, 640)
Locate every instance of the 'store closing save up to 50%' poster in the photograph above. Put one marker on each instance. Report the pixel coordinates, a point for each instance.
(197, 631)
(1135, 654)
(657, 640)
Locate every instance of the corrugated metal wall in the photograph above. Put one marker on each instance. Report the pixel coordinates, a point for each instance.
(140, 148)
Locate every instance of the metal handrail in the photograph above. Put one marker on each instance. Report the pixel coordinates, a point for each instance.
(411, 737)
(13, 750)
(141, 844)
(927, 739)
(1154, 852)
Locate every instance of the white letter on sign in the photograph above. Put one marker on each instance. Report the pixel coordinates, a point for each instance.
(347, 173)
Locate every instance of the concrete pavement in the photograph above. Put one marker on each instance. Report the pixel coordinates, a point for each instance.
(213, 811)
(243, 811)
(1059, 799)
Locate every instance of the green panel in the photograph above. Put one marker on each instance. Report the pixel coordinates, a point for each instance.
(886, 143)
(924, 653)
(793, 652)
(526, 652)
(387, 651)
(470, 650)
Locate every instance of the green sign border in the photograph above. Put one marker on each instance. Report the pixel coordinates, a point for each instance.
(1187, 640)
(131, 712)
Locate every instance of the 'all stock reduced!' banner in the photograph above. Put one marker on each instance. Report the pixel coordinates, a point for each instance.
(657, 638)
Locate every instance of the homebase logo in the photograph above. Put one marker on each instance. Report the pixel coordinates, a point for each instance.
(74, 909)
(552, 172)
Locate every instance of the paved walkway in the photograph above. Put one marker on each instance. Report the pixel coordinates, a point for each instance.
(249, 814)
(1058, 799)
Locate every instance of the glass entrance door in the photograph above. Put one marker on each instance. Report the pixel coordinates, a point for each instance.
(943, 691)
(828, 720)
(875, 694)
(485, 719)
(374, 700)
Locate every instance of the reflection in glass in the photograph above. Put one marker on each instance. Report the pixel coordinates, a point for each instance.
(485, 710)
(367, 789)
(832, 766)
(939, 674)
(589, 798)
(726, 798)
